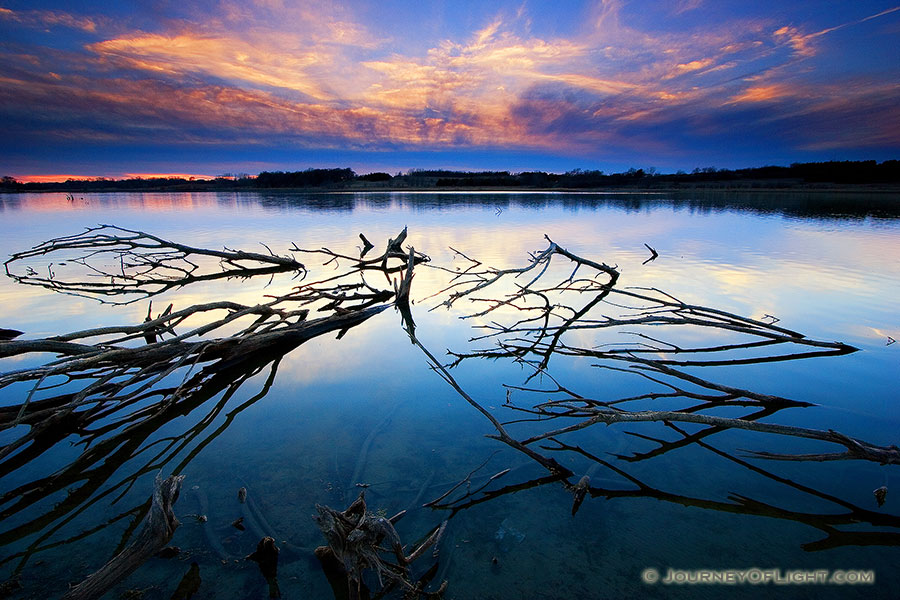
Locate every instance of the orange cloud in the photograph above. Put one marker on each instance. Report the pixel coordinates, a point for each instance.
(800, 42)
(310, 74)
(251, 116)
(456, 92)
(763, 93)
(224, 57)
(694, 65)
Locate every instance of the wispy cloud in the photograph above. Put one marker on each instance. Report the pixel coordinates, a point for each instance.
(763, 93)
(230, 59)
(683, 6)
(49, 18)
(312, 73)
(804, 43)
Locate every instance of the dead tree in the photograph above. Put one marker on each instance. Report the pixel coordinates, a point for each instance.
(115, 387)
(551, 316)
(544, 311)
(108, 263)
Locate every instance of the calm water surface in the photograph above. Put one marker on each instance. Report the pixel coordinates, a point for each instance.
(367, 407)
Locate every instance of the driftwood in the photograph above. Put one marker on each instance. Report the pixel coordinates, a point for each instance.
(394, 259)
(105, 365)
(161, 524)
(9, 334)
(107, 262)
(367, 245)
(534, 340)
(360, 541)
(827, 521)
(114, 387)
(547, 315)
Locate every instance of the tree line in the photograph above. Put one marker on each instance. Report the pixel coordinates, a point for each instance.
(835, 172)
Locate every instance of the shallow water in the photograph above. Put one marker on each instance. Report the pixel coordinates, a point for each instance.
(367, 407)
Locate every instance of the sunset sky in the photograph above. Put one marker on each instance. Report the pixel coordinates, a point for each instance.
(114, 89)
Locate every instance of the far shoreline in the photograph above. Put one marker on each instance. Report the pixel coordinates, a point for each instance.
(730, 187)
(833, 176)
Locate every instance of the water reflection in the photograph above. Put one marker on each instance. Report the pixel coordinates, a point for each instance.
(115, 396)
(540, 312)
(119, 398)
(829, 205)
(173, 414)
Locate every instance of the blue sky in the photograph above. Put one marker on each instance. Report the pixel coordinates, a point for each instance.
(204, 88)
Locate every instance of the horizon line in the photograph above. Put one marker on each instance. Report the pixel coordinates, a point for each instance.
(65, 178)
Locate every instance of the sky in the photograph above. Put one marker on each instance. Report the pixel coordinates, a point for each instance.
(205, 88)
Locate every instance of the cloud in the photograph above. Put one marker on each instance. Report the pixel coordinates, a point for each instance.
(128, 110)
(225, 58)
(804, 44)
(267, 72)
(45, 19)
(763, 93)
(801, 43)
(683, 6)
(311, 48)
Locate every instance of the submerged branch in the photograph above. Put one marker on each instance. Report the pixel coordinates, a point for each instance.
(158, 530)
(553, 326)
(114, 387)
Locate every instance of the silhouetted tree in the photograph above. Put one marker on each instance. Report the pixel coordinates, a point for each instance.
(8, 182)
(377, 176)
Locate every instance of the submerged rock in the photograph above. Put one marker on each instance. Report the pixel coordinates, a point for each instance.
(507, 536)
(266, 556)
(10, 586)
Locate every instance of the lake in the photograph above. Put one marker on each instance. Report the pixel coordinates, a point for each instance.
(365, 408)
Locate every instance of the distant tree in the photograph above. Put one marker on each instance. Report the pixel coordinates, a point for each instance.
(537, 179)
(582, 178)
(307, 178)
(8, 182)
(378, 176)
(861, 171)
